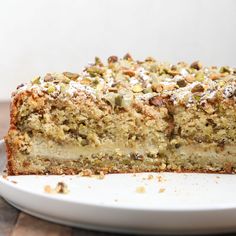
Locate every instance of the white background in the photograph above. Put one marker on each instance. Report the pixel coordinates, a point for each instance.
(63, 35)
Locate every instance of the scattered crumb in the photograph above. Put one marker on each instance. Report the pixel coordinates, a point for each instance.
(116, 200)
(48, 189)
(89, 187)
(14, 182)
(86, 172)
(216, 182)
(134, 175)
(143, 178)
(140, 189)
(60, 188)
(150, 177)
(160, 178)
(5, 176)
(217, 177)
(101, 175)
(161, 190)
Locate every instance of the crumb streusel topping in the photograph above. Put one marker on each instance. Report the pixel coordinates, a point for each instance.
(121, 82)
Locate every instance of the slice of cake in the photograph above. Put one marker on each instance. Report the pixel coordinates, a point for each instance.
(125, 116)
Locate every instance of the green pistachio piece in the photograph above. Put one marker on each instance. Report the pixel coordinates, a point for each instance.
(51, 89)
(70, 75)
(196, 65)
(224, 69)
(36, 80)
(66, 80)
(98, 61)
(148, 90)
(110, 97)
(118, 100)
(181, 83)
(95, 70)
(197, 98)
(199, 76)
(137, 88)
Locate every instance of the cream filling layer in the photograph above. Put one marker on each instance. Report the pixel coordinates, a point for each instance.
(50, 149)
(203, 152)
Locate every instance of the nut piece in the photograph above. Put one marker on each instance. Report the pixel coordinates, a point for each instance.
(36, 80)
(157, 87)
(70, 75)
(128, 57)
(98, 61)
(181, 83)
(224, 69)
(196, 65)
(137, 88)
(169, 87)
(51, 89)
(130, 73)
(215, 76)
(198, 88)
(48, 78)
(158, 101)
(199, 76)
(189, 79)
(112, 59)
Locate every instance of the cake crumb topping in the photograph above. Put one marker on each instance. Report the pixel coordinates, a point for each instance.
(123, 82)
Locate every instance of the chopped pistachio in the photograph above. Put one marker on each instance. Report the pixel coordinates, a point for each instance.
(137, 88)
(224, 69)
(99, 87)
(86, 81)
(215, 76)
(66, 80)
(150, 59)
(189, 79)
(118, 100)
(181, 83)
(110, 97)
(147, 90)
(70, 75)
(130, 73)
(48, 78)
(128, 57)
(36, 80)
(112, 59)
(196, 65)
(51, 89)
(157, 87)
(198, 88)
(98, 61)
(172, 72)
(63, 87)
(95, 70)
(197, 98)
(199, 76)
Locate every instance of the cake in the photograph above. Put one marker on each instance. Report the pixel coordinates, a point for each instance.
(125, 116)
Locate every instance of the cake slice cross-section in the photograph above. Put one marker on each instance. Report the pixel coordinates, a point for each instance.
(125, 116)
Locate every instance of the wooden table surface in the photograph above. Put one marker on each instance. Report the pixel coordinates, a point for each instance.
(16, 223)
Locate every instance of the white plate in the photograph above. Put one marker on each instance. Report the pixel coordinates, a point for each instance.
(190, 203)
